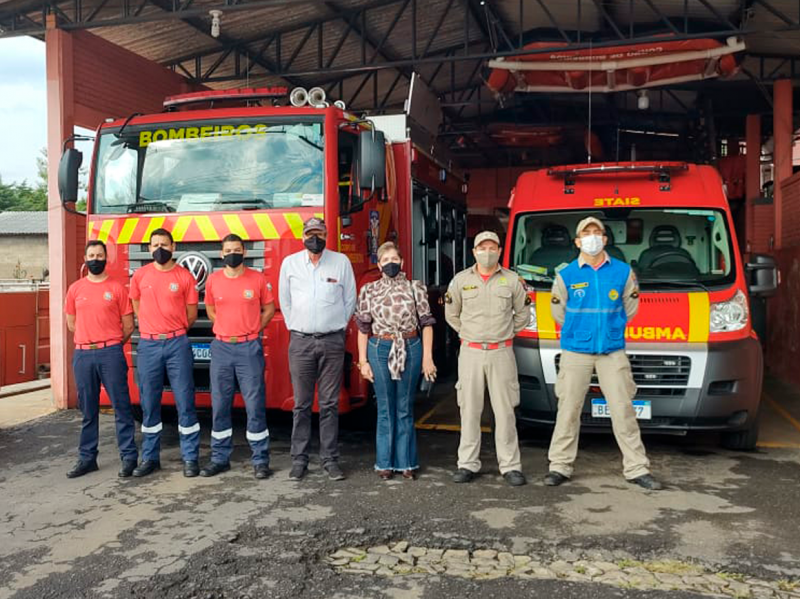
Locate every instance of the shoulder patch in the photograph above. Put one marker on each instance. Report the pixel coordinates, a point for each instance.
(528, 300)
(448, 299)
(555, 300)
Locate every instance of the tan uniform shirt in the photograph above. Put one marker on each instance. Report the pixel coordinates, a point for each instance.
(630, 295)
(487, 312)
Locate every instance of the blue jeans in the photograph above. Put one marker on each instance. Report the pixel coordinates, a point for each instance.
(395, 438)
(242, 362)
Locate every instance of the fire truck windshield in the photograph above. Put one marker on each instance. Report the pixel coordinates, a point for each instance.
(667, 247)
(209, 166)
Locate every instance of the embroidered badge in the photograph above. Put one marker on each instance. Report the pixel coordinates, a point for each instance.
(448, 299)
(613, 295)
(580, 293)
(528, 300)
(469, 287)
(248, 294)
(173, 287)
(579, 286)
(503, 281)
(108, 296)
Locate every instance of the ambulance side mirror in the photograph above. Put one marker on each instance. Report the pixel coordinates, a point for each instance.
(68, 169)
(763, 276)
(371, 160)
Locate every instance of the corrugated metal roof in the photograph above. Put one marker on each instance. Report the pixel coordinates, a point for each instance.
(23, 223)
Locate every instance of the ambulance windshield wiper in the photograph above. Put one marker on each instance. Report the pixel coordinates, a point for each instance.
(673, 283)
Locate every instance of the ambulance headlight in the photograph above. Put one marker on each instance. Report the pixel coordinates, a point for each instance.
(533, 323)
(729, 316)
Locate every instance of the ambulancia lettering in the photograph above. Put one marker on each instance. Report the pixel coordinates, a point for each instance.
(604, 202)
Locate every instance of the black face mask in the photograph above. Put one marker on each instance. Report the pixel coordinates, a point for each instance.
(96, 267)
(233, 260)
(162, 256)
(314, 244)
(392, 269)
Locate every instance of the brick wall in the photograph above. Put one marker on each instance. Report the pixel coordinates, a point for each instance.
(791, 211)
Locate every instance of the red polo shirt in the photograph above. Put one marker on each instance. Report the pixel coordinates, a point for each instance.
(238, 302)
(98, 309)
(163, 297)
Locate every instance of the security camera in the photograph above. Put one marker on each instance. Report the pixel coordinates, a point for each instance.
(215, 21)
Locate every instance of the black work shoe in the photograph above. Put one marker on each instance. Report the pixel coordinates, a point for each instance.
(334, 472)
(262, 471)
(515, 478)
(298, 471)
(191, 469)
(128, 466)
(462, 475)
(81, 468)
(146, 467)
(214, 468)
(553, 479)
(646, 481)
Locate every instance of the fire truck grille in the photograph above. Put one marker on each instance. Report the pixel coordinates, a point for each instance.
(650, 370)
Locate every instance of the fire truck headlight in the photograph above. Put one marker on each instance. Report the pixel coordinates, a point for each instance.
(533, 323)
(729, 316)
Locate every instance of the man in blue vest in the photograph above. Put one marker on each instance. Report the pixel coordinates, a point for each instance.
(593, 299)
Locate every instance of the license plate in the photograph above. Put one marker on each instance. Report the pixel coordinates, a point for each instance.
(643, 409)
(201, 351)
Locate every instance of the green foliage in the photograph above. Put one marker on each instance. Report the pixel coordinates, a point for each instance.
(21, 196)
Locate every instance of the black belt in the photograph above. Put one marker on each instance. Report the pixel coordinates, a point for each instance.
(317, 335)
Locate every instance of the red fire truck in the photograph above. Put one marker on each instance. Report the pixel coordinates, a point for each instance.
(220, 162)
(696, 359)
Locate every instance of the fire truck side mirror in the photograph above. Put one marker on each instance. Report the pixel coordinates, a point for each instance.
(68, 168)
(763, 277)
(371, 160)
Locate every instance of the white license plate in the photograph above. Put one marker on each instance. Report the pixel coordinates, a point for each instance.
(643, 409)
(201, 351)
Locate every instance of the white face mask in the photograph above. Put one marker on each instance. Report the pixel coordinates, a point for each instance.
(592, 244)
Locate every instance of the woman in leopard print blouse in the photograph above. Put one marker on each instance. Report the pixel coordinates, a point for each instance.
(389, 314)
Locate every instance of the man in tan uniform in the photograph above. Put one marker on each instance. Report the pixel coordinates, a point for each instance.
(593, 299)
(487, 305)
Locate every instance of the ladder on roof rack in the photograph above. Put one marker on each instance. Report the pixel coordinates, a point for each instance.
(662, 170)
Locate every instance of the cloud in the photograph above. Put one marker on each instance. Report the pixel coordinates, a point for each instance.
(23, 107)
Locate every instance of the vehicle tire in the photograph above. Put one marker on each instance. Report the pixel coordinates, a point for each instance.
(743, 440)
(138, 415)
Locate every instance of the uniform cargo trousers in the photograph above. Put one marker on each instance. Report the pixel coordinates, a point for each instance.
(106, 366)
(616, 382)
(242, 363)
(495, 369)
(316, 362)
(172, 357)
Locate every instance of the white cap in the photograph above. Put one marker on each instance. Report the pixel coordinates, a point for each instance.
(589, 220)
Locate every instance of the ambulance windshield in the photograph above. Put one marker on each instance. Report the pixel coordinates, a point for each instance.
(666, 247)
(209, 166)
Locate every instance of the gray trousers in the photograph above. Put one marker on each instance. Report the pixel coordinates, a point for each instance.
(316, 362)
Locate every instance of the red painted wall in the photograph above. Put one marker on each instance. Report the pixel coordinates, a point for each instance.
(490, 188)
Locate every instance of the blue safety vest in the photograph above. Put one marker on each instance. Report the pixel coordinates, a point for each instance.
(595, 314)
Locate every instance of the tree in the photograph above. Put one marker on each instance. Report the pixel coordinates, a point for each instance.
(24, 197)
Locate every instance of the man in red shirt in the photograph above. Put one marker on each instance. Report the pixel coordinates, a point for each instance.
(165, 299)
(240, 305)
(100, 314)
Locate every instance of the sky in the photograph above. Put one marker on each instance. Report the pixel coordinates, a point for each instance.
(23, 107)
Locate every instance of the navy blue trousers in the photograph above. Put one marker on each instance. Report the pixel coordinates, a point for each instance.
(107, 366)
(242, 363)
(173, 357)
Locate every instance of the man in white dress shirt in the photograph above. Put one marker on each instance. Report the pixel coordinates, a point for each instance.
(317, 292)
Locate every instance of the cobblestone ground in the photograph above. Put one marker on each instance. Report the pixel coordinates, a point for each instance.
(402, 559)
